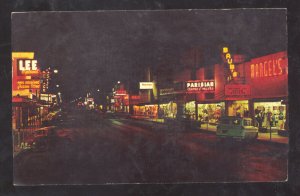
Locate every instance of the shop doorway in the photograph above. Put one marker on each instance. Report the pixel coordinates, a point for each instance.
(238, 108)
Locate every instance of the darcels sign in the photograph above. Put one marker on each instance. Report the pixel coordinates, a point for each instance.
(269, 66)
(198, 86)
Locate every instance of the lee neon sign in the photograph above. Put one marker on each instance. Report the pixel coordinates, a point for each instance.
(27, 67)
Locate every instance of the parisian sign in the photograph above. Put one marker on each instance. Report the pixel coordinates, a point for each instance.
(269, 66)
(199, 86)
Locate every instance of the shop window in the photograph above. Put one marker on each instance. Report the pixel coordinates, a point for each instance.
(270, 113)
(239, 108)
(211, 112)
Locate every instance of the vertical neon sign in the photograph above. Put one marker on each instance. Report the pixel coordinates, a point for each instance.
(229, 60)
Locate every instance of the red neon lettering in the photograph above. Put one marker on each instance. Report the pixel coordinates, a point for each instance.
(279, 66)
(252, 70)
(261, 69)
(274, 65)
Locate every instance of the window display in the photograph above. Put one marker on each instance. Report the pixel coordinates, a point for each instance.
(168, 110)
(147, 110)
(211, 112)
(190, 110)
(239, 108)
(270, 114)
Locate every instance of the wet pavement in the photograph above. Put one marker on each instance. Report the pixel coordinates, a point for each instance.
(109, 149)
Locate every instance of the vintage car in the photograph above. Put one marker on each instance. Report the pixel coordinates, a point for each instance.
(236, 127)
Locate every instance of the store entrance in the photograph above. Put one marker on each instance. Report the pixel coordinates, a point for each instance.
(238, 108)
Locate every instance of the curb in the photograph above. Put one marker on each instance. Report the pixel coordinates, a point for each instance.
(213, 133)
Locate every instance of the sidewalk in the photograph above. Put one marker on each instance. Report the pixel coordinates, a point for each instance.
(25, 135)
(261, 136)
(159, 120)
(211, 129)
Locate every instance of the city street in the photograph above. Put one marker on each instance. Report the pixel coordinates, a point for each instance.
(107, 148)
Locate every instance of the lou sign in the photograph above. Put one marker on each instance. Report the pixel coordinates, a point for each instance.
(237, 91)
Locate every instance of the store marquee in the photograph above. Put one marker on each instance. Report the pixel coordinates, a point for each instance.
(28, 84)
(121, 92)
(166, 91)
(27, 67)
(237, 91)
(146, 85)
(199, 86)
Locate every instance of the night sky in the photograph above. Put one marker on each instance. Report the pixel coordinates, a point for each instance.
(93, 50)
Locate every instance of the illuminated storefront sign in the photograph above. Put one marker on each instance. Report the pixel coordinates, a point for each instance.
(237, 91)
(46, 78)
(229, 61)
(135, 97)
(268, 75)
(197, 86)
(121, 92)
(166, 91)
(268, 66)
(27, 67)
(28, 84)
(146, 85)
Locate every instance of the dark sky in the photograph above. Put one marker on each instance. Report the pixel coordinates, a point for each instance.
(95, 49)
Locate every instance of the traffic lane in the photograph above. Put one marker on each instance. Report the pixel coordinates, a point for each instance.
(253, 161)
(114, 152)
(95, 156)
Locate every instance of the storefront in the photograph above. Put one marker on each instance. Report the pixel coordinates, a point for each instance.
(238, 108)
(272, 113)
(150, 111)
(268, 78)
(190, 109)
(168, 110)
(211, 112)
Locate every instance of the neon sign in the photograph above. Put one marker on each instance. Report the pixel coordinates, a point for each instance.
(267, 68)
(237, 91)
(198, 86)
(27, 67)
(28, 84)
(229, 61)
(146, 85)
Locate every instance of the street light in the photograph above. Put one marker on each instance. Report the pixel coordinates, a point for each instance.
(119, 82)
(55, 71)
(98, 90)
(57, 85)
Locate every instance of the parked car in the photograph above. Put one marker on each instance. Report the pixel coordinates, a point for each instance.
(236, 127)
